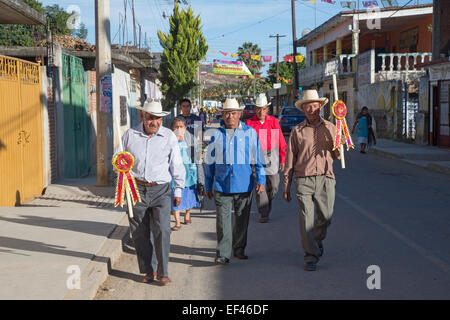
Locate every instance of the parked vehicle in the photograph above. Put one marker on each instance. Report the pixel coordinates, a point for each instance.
(289, 117)
(248, 112)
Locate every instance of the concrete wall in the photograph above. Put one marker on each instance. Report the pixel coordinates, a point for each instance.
(121, 87)
(422, 117)
(384, 100)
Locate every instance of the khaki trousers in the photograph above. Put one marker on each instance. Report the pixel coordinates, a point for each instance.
(264, 200)
(316, 192)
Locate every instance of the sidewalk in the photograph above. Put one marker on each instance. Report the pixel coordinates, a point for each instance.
(72, 229)
(427, 157)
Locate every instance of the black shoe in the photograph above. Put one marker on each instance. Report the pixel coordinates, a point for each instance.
(310, 266)
(320, 249)
(222, 260)
(240, 255)
(263, 220)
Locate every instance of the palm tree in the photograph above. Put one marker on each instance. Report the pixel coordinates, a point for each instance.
(250, 49)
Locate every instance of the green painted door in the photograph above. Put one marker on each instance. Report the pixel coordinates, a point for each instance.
(76, 118)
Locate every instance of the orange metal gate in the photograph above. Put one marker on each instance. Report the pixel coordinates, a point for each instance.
(21, 134)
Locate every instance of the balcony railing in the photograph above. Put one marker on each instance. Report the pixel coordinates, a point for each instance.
(402, 61)
(382, 67)
(341, 65)
(400, 66)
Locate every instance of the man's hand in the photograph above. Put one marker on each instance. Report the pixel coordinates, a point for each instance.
(260, 188)
(281, 167)
(287, 196)
(209, 194)
(176, 201)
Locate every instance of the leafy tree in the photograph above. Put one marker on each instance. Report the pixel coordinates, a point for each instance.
(26, 35)
(184, 46)
(59, 19)
(21, 35)
(36, 5)
(250, 49)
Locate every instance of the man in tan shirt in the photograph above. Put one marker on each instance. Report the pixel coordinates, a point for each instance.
(309, 160)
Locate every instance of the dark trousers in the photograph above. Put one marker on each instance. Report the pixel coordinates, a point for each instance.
(232, 238)
(150, 228)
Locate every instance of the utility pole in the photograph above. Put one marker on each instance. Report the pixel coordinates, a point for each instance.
(294, 40)
(104, 91)
(134, 23)
(278, 66)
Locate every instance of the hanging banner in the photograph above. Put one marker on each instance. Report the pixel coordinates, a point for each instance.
(299, 58)
(224, 53)
(246, 55)
(370, 4)
(329, 1)
(256, 57)
(289, 58)
(267, 58)
(233, 55)
(348, 4)
(234, 68)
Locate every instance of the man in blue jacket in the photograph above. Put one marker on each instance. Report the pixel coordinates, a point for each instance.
(233, 151)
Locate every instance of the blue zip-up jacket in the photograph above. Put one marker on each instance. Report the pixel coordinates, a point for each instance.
(229, 161)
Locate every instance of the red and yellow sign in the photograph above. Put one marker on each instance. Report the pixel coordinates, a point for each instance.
(340, 111)
(124, 162)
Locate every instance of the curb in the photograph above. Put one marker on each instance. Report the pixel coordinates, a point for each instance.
(429, 166)
(97, 271)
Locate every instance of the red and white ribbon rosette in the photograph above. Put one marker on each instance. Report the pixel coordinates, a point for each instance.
(124, 162)
(340, 111)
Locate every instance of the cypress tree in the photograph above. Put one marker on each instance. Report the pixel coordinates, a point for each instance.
(184, 46)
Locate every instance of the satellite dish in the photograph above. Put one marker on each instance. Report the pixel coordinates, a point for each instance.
(305, 32)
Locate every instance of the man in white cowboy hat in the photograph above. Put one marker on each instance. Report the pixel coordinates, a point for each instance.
(309, 160)
(157, 162)
(274, 147)
(233, 152)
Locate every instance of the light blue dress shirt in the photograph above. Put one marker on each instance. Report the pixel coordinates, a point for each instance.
(158, 158)
(229, 160)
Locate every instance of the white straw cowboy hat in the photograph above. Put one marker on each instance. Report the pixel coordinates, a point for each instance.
(231, 105)
(261, 101)
(311, 96)
(153, 107)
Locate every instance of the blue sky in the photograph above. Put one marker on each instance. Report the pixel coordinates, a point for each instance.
(238, 21)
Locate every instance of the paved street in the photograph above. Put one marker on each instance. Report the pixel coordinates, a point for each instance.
(387, 213)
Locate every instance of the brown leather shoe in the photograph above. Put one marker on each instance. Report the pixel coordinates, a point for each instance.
(164, 281)
(149, 277)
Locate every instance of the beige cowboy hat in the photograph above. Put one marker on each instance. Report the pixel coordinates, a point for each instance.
(261, 101)
(311, 96)
(153, 107)
(231, 105)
